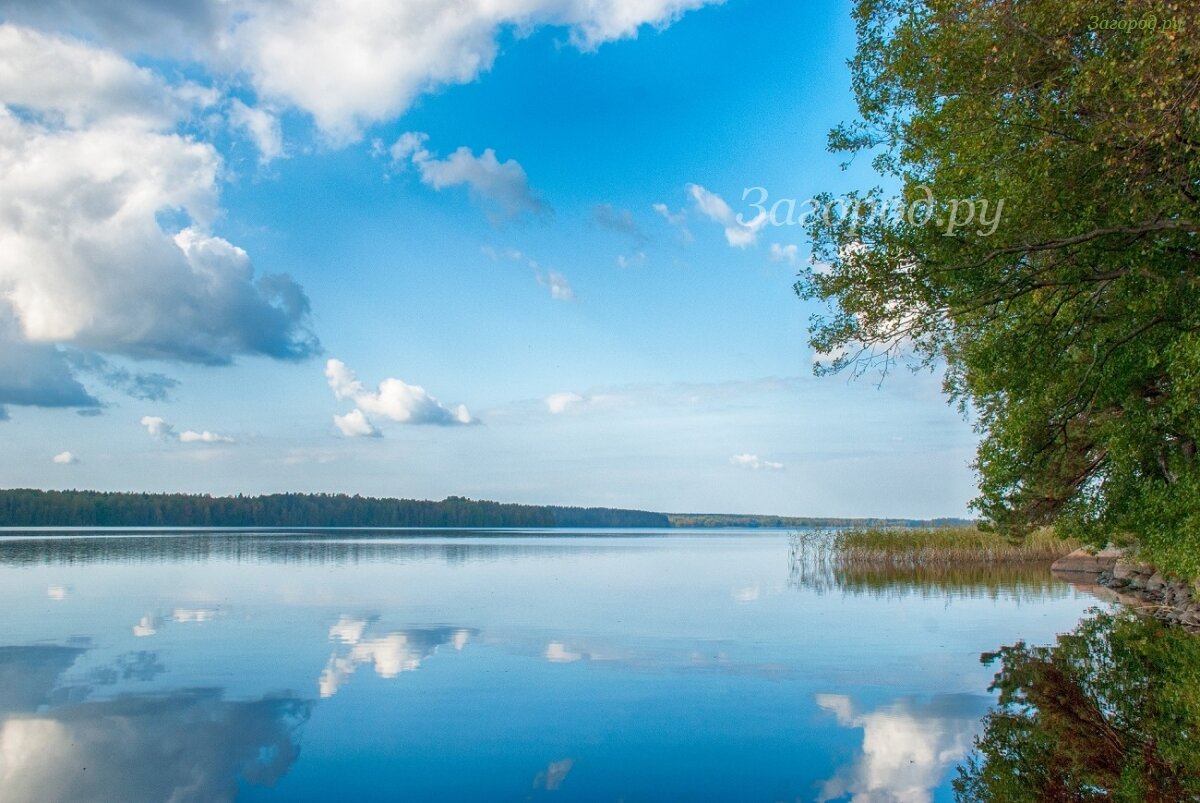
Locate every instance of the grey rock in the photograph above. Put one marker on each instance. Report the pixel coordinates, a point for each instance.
(1125, 570)
(1084, 560)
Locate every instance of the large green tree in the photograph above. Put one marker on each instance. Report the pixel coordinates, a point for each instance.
(1068, 321)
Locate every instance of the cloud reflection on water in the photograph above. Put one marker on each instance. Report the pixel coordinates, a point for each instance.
(188, 745)
(907, 748)
(390, 654)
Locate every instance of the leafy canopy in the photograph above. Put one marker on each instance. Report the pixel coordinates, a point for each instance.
(1072, 328)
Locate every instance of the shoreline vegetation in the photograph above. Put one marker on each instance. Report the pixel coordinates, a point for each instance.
(962, 561)
(714, 520)
(924, 547)
(21, 507)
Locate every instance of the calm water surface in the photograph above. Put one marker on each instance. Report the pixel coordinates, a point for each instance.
(490, 666)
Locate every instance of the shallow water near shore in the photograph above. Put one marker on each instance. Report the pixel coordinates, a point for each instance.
(500, 665)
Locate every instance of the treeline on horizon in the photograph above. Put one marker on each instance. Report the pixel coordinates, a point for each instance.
(36, 508)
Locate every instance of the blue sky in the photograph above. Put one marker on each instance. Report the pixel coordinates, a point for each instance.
(515, 208)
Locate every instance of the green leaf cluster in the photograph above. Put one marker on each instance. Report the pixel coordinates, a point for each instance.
(1071, 332)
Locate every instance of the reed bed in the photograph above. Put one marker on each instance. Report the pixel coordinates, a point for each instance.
(950, 561)
(1021, 581)
(943, 546)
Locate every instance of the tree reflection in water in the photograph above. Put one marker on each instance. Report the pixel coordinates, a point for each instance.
(1111, 711)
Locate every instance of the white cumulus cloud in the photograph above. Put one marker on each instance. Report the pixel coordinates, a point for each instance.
(347, 64)
(355, 424)
(92, 167)
(753, 461)
(738, 234)
(160, 430)
(504, 184)
(65, 459)
(393, 399)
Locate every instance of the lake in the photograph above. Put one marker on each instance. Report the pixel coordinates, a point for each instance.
(497, 665)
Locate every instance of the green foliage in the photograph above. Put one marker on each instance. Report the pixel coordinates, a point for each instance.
(1072, 330)
(715, 520)
(30, 508)
(1111, 712)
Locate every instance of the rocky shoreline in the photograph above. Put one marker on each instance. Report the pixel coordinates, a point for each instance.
(1114, 575)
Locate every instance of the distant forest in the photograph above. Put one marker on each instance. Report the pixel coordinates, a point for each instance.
(32, 508)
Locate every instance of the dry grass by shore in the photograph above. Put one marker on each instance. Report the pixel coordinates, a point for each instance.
(907, 548)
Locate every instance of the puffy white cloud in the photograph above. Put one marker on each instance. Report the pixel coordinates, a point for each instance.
(394, 399)
(347, 63)
(738, 234)
(65, 459)
(486, 177)
(784, 253)
(261, 126)
(76, 85)
(355, 424)
(753, 461)
(160, 430)
(342, 381)
(90, 166)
